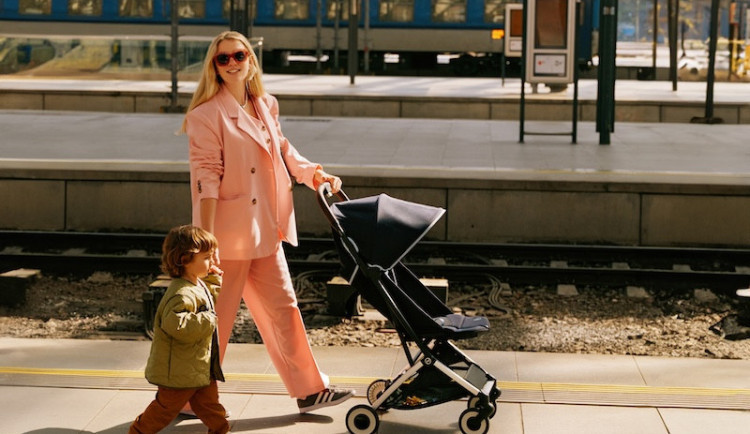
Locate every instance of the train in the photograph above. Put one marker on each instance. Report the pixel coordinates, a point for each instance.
(464, 36)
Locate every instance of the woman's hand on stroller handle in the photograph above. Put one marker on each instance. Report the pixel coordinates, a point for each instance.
(324, 189)
(321, 177)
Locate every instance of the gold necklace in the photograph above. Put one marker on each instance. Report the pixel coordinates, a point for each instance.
(245, 103)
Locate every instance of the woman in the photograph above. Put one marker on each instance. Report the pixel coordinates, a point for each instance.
(240, 168)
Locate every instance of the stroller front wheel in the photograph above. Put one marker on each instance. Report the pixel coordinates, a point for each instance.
(362, 419)
(474, 403)
(471, 423)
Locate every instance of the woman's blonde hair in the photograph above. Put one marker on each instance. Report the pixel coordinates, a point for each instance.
(181, 244)
(210, 81)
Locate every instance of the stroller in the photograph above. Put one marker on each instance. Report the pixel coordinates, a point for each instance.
(372, 235)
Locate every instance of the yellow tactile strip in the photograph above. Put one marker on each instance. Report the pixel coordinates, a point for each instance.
(512, 391)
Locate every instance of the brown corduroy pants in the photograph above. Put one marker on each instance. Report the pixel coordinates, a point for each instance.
(166, 406)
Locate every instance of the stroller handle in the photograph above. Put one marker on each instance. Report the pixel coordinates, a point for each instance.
(324, 192)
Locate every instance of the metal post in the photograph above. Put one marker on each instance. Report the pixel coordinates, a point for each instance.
(249, 9)
(714, 30)
(366, 49)
(656, 36)
(318, 34)
(672, 11)
(605, 97)
(576, 23)
(638, 20)
(522, 113)
(238, 16)
(714, 33)
(336, 25)
(613, 65)
(353, 58)
(232, 15)
(174, 51)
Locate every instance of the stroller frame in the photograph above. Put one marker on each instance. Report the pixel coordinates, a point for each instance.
(438, 366)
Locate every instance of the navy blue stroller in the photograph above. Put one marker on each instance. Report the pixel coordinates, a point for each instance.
(372, 235)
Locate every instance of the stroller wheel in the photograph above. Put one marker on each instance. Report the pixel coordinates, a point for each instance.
(495, 394)
(474, 403)
(376, 389)
(471, 423)
(362, 419)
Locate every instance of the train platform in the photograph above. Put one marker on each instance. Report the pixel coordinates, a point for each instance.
(655, 184)
(97, 386)
(395, 97)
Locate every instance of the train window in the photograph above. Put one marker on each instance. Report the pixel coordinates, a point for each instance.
(335, 5)
(35, 7)
(192, 8)
(92, 8)
(448, 11)
(292, 9)
(494, 11)
(136, 8)
(397, 10)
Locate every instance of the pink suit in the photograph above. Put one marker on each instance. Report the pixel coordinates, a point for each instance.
(240, 161)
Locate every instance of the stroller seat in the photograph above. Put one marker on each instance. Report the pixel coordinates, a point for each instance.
(460, 324)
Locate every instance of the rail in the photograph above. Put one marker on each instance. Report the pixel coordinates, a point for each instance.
(723, 270)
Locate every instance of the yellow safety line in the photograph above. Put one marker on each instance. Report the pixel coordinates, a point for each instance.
(502, 385)
(71, 372)
(650, 390)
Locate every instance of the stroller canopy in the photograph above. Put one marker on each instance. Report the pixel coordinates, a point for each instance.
(384, 229)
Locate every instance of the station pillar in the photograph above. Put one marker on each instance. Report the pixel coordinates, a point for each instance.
(605, 98)
(353, 56)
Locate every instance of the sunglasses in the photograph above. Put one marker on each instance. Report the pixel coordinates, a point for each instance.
(223, 58)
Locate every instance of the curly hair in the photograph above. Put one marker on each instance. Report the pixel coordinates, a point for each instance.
(181, 244)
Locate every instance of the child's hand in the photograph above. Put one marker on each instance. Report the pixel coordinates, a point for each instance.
(215, 270)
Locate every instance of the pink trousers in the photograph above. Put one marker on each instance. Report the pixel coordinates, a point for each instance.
(266, 287)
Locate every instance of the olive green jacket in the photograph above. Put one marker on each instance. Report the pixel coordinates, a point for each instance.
(184, 353)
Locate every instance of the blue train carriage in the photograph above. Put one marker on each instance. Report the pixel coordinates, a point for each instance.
(59, 36)
(419, 32)
(413, 31)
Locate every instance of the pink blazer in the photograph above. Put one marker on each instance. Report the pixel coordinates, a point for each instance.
(240, 162)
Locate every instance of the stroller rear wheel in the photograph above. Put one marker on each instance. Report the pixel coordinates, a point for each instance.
(362, 419)
(376, 389)
(471, 423)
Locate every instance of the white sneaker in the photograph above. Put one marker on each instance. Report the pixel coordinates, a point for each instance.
(325, 398)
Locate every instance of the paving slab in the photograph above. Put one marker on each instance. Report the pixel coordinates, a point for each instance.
(568, 368)
(672, 372)
(700, 421)
(568, 419)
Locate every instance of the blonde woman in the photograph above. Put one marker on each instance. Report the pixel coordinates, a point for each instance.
(240, 168)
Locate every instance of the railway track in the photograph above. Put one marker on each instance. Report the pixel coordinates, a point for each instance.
(723, 270)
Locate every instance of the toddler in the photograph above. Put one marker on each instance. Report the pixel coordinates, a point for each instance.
(184, 358)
